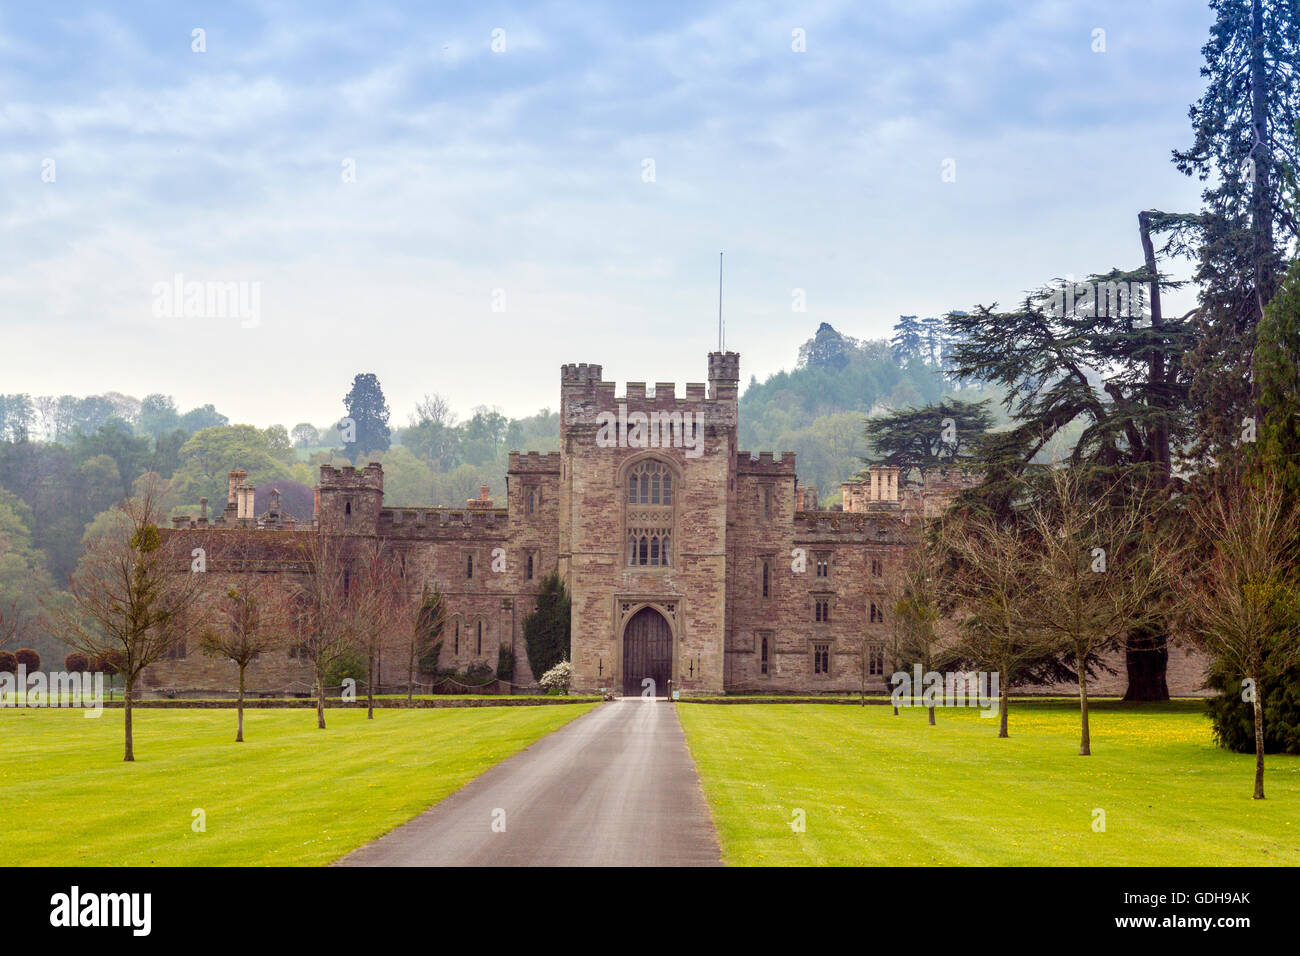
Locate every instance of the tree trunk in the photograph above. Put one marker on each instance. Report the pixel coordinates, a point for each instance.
(370, 686)
(128, 684)
(410, 677)
(1259, 739)
(320, 700)
(1003, 701)
(1085, 740)
(1146, 658)
(1158, 440)
(931, 716)
(239, 733)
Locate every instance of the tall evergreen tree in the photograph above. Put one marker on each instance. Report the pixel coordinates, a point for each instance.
(942, 435)
(546, 629)
(1088, 354)
(908, 338)
(1245, 146)
(827, 349)
(368, 410)
(933, 338)
(1277, 380)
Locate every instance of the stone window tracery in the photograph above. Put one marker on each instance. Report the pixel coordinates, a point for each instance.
(649, 515)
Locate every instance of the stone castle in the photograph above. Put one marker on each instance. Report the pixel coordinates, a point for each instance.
(692, 564)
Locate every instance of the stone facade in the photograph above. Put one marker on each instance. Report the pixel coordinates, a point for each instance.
(648, 504)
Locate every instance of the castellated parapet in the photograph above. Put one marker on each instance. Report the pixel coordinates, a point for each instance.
(585, 398)
(766, 464)
(534, 463)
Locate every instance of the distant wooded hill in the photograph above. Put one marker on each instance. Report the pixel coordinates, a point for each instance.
(819, 409)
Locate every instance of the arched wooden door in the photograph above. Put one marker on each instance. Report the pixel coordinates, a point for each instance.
(647, 652)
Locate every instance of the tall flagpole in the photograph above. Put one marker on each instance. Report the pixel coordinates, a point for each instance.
(721, 340)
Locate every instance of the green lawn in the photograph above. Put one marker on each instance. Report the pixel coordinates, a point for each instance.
(290, 795)
(881, 789)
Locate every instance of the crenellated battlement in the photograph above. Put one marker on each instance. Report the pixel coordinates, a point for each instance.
(765, 463)
(868, 528)
(585, 407)
(585, 395)
(724, 366)
(348, 478)
(534, 462)
(442, 523)
(579, 373)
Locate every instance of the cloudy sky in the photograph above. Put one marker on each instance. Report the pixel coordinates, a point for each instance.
(406, 199)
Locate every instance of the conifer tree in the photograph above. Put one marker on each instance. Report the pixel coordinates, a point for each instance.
(907, 340)
(1245, 146)
(368, 411)
(546, 629)
(1277, 380)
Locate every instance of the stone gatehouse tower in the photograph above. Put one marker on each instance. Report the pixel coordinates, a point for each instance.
(648, 496)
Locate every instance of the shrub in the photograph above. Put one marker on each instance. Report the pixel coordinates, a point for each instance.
(427, 662)
(475, 679)
(546, 629)
(1234, 719)
(76, 662)
(109, 662)
(29, 658)
(556, 680)
(480, 672)
(8, 663)
(349, 665)
(505, 663)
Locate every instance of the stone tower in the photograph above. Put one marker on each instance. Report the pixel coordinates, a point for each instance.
(645, 485)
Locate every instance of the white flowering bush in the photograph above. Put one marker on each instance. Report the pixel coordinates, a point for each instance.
(556, 680)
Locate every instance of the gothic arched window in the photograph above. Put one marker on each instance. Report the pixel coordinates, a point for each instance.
(649, 522)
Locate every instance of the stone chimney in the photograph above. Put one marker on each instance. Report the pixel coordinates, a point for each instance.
(203, 511)
(244, 503)
(483, 501)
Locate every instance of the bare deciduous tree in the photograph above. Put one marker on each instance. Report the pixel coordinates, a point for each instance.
(9, 621)
(1238, 595)
(321, 600)
(1095, 571)
(133, 599)
(986, 581)
(915, 607)
(251, 618)
(376, 603)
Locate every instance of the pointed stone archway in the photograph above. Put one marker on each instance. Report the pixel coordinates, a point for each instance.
(647, 653)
